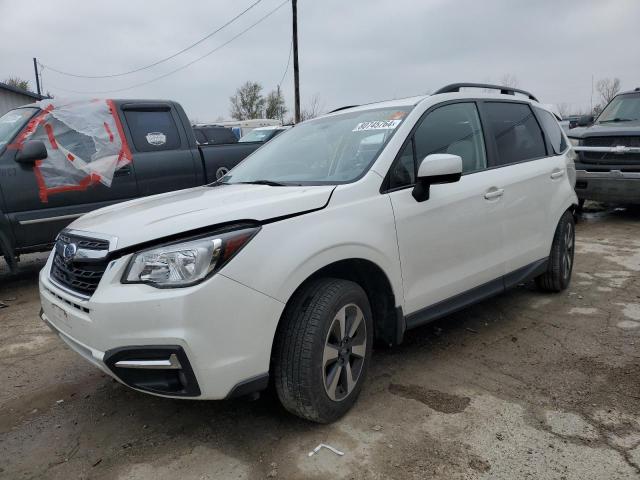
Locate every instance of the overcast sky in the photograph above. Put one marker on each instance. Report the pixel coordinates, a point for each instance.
(351, 51)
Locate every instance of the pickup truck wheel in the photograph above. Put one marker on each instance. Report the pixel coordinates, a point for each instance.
(560, 266)
(322, 350)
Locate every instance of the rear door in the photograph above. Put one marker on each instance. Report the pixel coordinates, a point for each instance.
(520, 158)
(163, 155)
(452, 242)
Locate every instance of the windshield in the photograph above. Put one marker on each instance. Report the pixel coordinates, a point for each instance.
(257, 136)
(623, 108)
(330, 150)
(12, 122)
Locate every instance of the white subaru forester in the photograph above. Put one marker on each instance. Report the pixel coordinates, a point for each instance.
(345, 230)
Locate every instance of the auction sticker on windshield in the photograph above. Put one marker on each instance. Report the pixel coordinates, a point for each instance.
(377, 125)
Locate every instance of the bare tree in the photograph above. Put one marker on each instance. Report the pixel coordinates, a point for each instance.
(509, 80)
(276, 107)
(247, 102)
(564, 109)
(312, 109)
(607, 88)
(18, 82)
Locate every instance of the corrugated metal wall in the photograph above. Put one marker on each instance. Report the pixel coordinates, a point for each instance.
(11, 100)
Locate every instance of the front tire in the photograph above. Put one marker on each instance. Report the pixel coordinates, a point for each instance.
(322, 349)
(560, 265)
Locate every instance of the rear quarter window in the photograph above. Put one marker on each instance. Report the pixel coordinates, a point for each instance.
(152, 130)
(552, 129)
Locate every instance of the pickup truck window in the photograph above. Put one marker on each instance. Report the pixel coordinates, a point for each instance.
(12, 122)
(325, 151)
(153, 130)
(623, 108)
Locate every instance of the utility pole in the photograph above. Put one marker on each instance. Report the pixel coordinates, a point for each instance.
(280, 112)
(35, 67)
(296, 73)
(591, 112)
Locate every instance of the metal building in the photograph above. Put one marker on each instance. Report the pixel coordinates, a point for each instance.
(12, 97)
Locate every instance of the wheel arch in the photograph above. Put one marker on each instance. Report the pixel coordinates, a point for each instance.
(6, 242)
(387, 317)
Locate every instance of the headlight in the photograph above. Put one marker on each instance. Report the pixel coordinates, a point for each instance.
(575, 141)
(186, 263)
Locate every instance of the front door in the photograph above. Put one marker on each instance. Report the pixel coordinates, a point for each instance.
(38, 214)
(451, 242)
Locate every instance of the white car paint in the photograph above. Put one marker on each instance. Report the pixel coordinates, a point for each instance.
(466, 234)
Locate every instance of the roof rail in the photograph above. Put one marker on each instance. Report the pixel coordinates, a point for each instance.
(343, 108)
(455, 87)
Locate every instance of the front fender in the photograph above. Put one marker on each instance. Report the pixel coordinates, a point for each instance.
(286, 253)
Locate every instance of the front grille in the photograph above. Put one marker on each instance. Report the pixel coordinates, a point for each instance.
(609, 158)
(78, 276)
(83, 242)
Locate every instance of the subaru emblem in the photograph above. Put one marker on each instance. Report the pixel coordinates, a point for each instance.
(69, 252)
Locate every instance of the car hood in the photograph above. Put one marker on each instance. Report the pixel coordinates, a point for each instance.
(150, 218)
(613, 129)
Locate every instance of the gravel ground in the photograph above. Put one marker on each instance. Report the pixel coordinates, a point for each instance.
(525, 385)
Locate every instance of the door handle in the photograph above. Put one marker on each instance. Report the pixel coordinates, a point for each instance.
(493, 193)
(122, 172)
(557, 174)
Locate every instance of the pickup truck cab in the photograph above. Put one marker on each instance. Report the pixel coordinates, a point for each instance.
(164, 157)
(608, 152)
(347, 229)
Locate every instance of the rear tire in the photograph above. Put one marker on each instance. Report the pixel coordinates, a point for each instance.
(322, 349)
(560, 265)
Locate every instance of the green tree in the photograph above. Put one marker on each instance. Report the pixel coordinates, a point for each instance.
(275, 105)
(18, 82)
(247, 102)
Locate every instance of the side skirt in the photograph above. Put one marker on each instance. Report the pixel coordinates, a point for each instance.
(482, 292)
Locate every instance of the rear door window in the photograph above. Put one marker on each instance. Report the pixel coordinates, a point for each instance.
(153, 130)
(553, 131)
(515, 131)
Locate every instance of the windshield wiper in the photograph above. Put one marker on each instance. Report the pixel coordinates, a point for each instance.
(617, 120)
(265, 182)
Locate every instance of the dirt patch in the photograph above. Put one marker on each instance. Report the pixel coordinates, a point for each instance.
(435, 399)
(480, 465)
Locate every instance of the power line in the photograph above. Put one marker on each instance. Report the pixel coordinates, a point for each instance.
(288, 62)
(159, 61)
(183, 66)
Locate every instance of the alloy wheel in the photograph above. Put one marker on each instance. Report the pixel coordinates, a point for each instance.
(344, 352)
(567, 254)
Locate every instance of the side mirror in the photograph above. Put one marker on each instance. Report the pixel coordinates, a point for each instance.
(435, 169)
(31, 151)
(585, 120)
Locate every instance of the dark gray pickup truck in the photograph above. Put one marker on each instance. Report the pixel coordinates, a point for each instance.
(608, 152)
(48, 164)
